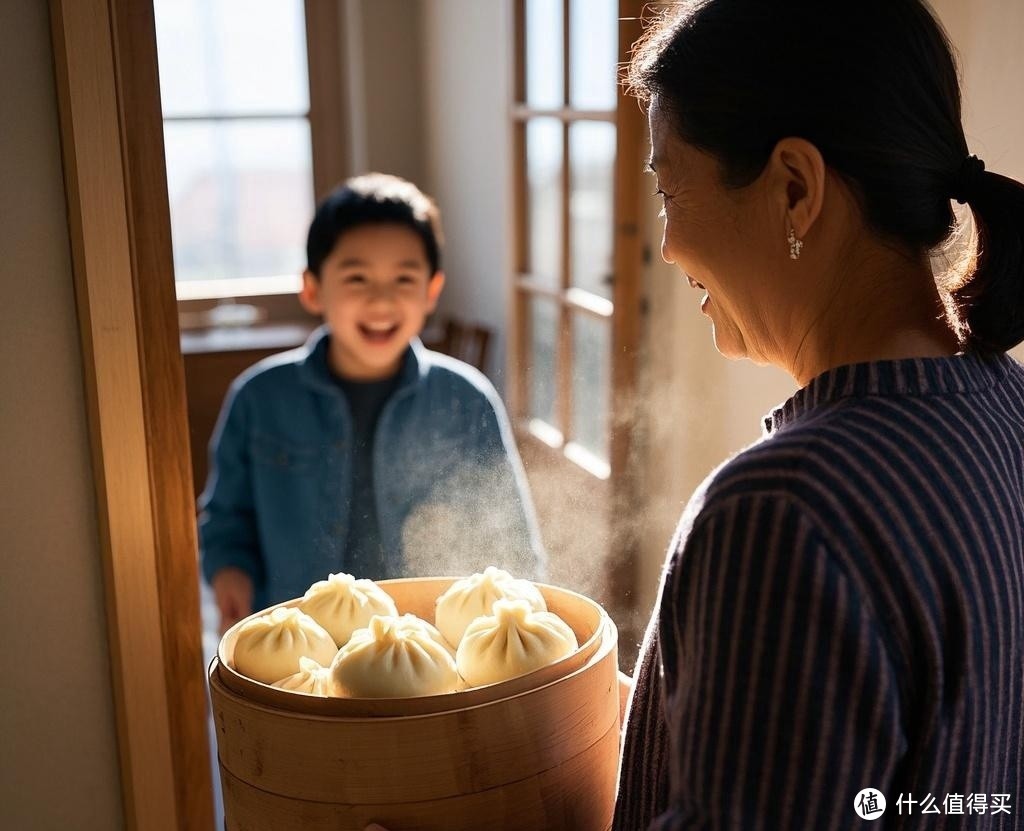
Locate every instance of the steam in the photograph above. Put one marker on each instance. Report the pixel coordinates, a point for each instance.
(471, 519)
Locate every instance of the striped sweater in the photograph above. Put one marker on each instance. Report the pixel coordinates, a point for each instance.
(843, 609)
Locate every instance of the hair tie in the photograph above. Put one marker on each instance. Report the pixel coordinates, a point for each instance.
(967, 179)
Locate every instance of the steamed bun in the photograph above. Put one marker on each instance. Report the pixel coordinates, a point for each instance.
(514, 641)
(269, 647)
(473, 597)
(393, 658)
(411, 622)
(311, 679)
(341, 604)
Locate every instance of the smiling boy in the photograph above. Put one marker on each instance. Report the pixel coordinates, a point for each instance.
(362, 451)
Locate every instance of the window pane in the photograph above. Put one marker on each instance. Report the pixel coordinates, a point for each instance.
(593, 33)
(544, 208)
(232, 56)
(544, 60)
(241, 197)
(541, 359)
(592, 165)
(591, 339)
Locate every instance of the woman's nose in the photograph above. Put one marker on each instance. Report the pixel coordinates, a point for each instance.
(664, 252)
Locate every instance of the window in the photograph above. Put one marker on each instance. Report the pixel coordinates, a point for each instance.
(565, 121)
(247, 101)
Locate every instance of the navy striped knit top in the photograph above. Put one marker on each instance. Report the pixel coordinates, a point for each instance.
(843, 608)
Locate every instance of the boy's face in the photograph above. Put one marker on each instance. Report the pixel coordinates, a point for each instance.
(375, 291)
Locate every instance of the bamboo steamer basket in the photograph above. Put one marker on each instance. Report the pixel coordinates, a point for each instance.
(536, 752)
(417, 596)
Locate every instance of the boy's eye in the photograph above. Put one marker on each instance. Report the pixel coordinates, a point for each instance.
(406, 280)
(354, 279)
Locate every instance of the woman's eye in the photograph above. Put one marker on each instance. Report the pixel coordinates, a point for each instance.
(659, 192)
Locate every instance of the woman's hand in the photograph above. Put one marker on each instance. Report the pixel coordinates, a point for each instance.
(232, 589)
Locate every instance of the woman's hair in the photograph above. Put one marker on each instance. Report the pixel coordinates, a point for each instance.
(373, 199)
(873, 85)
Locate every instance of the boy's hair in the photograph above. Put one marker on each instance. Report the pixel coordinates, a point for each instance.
(375, 198)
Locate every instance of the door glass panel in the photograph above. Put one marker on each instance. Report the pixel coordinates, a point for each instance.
(592, 167)
(591, 383)
(544, 59)
(542, 358)
(544, 208)
(593, 34)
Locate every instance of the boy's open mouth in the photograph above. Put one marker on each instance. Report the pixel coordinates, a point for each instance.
(378, 332)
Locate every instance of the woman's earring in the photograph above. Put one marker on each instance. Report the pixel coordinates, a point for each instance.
(794, 245)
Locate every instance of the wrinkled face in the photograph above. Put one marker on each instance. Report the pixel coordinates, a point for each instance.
(718, 239)
(375, 291)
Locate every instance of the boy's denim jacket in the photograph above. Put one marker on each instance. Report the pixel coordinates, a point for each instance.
(450, 489)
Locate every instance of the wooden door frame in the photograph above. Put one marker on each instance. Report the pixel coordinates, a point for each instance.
(112, 146)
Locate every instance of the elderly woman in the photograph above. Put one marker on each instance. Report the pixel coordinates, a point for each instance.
(841, 617)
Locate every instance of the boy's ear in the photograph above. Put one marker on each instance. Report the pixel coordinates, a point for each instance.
(434, 290)
(309, 294)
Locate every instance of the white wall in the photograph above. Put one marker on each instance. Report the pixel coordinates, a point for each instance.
(466, 88)
(58, 755)
(989, 34)
(384, 62)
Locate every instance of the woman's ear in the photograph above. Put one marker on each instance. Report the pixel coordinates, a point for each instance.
(309, 294)
(799, 177)
(434, 290)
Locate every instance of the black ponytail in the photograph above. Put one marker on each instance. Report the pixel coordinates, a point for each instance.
(991, 302)
(874, 86)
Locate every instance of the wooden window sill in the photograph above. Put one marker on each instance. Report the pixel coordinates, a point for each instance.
(275, 336)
